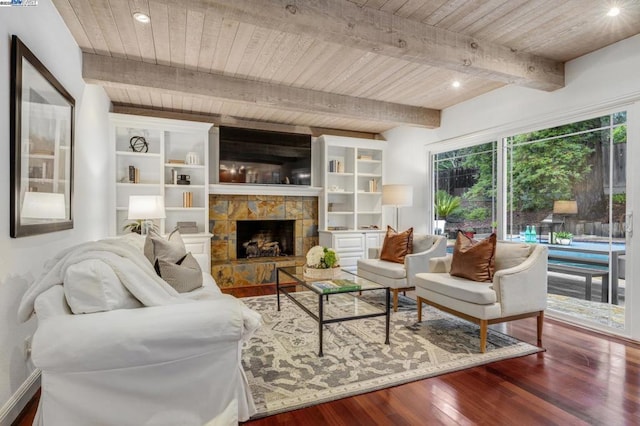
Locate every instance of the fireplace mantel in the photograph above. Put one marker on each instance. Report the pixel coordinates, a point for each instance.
(248, 189)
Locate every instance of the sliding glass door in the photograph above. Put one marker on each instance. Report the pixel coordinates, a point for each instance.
(566, 188)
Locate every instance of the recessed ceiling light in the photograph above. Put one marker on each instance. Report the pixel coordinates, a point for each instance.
(614, 11)
(142, 17)
(456, 83)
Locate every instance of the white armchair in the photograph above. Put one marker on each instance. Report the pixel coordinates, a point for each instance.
(401, 276)
(518, 289)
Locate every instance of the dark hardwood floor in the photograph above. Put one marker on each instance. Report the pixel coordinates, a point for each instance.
(582, 378)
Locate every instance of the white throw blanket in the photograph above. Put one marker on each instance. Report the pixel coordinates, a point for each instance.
(130, 265)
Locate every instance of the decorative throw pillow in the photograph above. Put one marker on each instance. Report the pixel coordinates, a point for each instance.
(422, 242)
(92, 286)
(171, 250)
(185, 275)
(510, 254)
(472, 259)
(396, 245)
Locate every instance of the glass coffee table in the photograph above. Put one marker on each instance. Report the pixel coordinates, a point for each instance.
(327, 308)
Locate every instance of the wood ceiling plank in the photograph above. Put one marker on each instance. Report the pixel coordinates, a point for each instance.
(284, 50)
(193, 40)
(107, 24)
(369, 88)
(132, 95)
(126, 28)
(210, 34)
(274, 39)
(347, 75)
(323, 60)
(144, 32)
(177, 34)
(177, 102)
(348, 25)
(127, 73)
(144, 97)
(84, 10)
(225, 43)
(426, 10)
(516, 36)
(159, 13)
(167, 100)
(258, 39)
(493, 16)
(443, 11)
(358, 78)
(339, 64)
(300, 48)
(309, 59)
(409, 8)
(392, 6)
(196, 103)
(375, 4)
(243, 38)
(156, 99)
(75, 26)
(472, 11)
(527, 12)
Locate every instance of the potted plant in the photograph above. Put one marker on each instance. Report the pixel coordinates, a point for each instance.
(445, 205)
(563, 238)
(469, 232)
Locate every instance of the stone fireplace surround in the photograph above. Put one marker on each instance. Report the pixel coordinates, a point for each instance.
(224, 210)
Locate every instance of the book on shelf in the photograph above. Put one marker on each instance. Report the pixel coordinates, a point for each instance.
(336, 286)
(336, 166)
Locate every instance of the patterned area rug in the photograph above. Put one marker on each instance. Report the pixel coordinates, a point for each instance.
(285, 372)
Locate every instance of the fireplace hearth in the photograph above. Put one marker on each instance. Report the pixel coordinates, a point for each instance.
(265, 238)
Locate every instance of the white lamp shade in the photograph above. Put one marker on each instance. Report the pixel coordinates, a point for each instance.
(397, 195)
(43, 205)
(146, 207)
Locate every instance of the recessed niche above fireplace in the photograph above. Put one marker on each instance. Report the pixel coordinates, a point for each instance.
(248, 156)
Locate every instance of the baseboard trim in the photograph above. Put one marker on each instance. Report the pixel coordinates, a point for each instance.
(14, 406)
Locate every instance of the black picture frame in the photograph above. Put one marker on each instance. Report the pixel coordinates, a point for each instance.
(42, 134)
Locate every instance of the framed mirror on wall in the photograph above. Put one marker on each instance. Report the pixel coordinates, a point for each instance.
(42, 127)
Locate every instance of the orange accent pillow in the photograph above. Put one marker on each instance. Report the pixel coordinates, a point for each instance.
(472, 259)
(396, 245)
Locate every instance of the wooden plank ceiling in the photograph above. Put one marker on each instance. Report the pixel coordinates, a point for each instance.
(361, 65)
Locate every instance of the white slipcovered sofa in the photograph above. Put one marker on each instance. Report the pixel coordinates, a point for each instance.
(518, 289)
(174, 361)
(401, 276)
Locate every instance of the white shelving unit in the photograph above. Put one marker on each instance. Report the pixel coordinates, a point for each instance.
(350, 207)
(168, 141)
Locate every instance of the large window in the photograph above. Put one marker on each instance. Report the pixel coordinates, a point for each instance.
(465, 190)
(564, 187)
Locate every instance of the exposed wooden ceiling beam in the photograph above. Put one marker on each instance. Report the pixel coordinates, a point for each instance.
(126, 73)
(225, 120)
(350, 25)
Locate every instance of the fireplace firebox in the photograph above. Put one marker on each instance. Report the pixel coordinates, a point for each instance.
(264, 238)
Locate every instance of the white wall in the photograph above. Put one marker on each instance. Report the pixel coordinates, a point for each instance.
(43, 31)
(603, 79)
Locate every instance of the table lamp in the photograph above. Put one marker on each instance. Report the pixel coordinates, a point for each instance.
(146, 208)
(398, 196)
(43, 205)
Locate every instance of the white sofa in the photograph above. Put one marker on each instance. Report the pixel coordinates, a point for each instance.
(177, 362)
(401, 276)
(518, 289)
